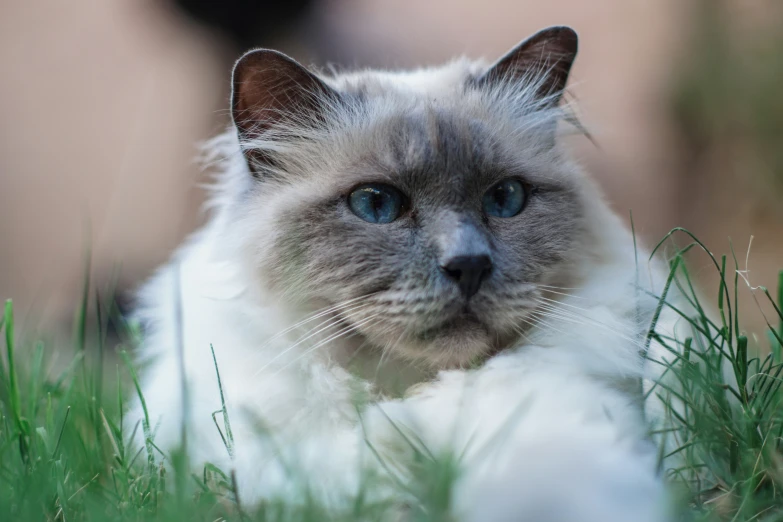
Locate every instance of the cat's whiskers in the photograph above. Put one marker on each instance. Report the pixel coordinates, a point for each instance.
(521, 332)
(346, 330)
(580, 313)
(556, 312)
(388, 347)
(321, 327)
(572, 317)
(567, 305)
(559, 288)
(564, 294)
(357, 352)
(317, 314)
(546, 312)
(541, 319)
(385, 351)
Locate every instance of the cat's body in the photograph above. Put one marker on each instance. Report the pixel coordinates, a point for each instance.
(522, 327)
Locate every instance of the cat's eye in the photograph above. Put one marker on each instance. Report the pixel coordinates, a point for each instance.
(376, 203)
(505, 199)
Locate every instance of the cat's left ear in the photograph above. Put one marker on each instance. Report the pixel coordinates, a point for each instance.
(545, 58)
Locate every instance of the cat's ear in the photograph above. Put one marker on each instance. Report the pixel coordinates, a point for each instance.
(545, 58)
(268, 89)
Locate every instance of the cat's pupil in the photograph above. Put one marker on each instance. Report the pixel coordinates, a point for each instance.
(500, 196)
(377, 202)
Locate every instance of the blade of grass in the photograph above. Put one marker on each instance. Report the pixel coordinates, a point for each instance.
(229, 438)
(35, 379)
(15, 404)
(661, 302)
(56, 450)
(145, 421)
(779, 307)
(81, 314)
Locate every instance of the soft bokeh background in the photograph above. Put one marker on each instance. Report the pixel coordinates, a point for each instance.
(102, 103)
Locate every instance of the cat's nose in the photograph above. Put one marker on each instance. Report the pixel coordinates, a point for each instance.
(468, 272)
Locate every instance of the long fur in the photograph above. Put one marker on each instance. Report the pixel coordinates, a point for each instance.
(551, 428)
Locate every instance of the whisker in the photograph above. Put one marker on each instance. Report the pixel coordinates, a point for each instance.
(576, 310)
(387, 349)
(568, 305)
(315, 316)
(357, 352)
(337, 335)
(522, 333)
(560, 287)
(563, 293)
(330, 323)
(587, 319)
(540, 321)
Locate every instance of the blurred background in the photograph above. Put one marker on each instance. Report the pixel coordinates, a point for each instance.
(103, 102)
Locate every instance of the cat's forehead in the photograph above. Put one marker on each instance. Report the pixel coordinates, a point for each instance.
(437, 143)
(431, 138)
(426, 82)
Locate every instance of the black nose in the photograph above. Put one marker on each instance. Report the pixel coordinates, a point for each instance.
(468, 272)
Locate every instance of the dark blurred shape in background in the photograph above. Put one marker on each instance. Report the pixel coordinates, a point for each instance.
(102, 105)
(247, 23)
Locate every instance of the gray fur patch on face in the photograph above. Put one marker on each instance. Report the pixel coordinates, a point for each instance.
(443, 153)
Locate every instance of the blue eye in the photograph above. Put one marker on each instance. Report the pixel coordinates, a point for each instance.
(505, 200)
(376, 203)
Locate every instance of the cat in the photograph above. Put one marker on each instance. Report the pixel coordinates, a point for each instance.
(395, 253)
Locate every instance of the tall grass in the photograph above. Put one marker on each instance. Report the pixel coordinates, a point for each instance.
(723, 393)
(63, 455)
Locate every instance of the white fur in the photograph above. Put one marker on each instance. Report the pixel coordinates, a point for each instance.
(547, 431)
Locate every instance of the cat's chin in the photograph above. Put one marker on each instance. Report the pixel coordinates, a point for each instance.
(457, 343)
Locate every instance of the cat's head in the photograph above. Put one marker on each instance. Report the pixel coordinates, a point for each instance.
(429, 208)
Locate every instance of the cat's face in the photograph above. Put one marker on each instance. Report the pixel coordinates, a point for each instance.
(429, 216)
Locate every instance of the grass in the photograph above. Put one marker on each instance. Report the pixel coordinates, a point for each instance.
(728, 430)
(62, 433)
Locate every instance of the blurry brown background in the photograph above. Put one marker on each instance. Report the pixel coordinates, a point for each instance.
(102, 103)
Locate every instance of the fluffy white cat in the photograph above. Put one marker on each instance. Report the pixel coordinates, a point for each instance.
(402, 260)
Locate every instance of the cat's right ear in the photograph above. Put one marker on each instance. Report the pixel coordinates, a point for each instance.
(270, 89)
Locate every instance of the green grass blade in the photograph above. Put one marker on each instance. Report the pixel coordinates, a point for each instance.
(145, 421)
(15, 403)
(60, 436)
(779, 307)
(35, 380)
(661, 302)
(229, 437)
